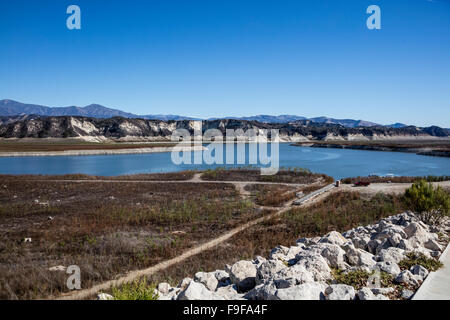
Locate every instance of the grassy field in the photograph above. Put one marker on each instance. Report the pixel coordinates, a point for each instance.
(403, 179)
(340, 211)
(166, 176)
(277, 195)
(105, 228)
(66, 145)
(285, 175)
(110, 228)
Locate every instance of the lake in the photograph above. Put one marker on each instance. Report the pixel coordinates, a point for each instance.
(338, 163)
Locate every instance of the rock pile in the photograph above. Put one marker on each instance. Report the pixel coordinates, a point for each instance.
(305, 271)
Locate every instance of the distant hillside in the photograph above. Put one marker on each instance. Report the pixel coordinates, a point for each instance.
(284, 118)
(144, 129)
(397, 125)
(14, 108)
(345, 122)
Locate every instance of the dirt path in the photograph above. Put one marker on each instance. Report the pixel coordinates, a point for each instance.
(192, 180)
(86, 293)
(370, 190)
(390, 188)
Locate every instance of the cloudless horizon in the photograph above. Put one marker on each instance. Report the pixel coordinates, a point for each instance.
(216, 58)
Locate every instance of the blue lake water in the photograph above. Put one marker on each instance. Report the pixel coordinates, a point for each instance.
(337, 163)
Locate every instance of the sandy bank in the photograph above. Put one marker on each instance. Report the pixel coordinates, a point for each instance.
(99, 151)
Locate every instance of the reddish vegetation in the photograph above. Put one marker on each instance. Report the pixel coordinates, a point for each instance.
(340, 211)
(77, 145)
(296, 175)
(105, 228)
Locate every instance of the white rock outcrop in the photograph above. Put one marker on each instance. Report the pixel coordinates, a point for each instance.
(305, 271)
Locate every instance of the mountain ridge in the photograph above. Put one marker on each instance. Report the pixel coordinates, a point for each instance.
(121, 128)
(10, 107)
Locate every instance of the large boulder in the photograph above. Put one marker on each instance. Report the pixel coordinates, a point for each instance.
(243, 274)
(361, 242)
(335, 256)
(420, 271)
(359, 258)
(223, 278)
(184, 283)
(391, 254)
(308, 241)
(433, 245)
(373, 245)
(229, 292)
(334, 237)
(389, 267)
(383, 291)
(305, 291)
(339, 292)
(268, 269)
(264, 291)
(286, 254)
(172, 294)
(104, 296)
(197, 291)
(292, 276)
(367, 294)
(164, 288)
(392, 233)
(315, 264)
(279, 252)
(407, 294)
(208, 279)
(417, 231)
(407, 278)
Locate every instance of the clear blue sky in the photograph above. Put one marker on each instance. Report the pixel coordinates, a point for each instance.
(232, 58)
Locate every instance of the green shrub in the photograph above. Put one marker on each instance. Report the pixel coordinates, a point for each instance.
(136, 290)
(359, 278)
(413, 259)
(431, 204)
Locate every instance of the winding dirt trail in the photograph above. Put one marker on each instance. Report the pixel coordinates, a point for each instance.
(132, 275)
(391, 188)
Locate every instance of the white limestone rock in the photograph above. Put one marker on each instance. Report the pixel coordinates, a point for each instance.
(197, 291)
(335, 256)
(420, 271)
(163, 288)
(391, 254)
(316, 264)
(104, 296)
(334, 237)
(305, 291)
(243, 274)
(389, 267)
(367, 294)
(268, 269)
(340, 292)
(208, 279)
(406, 277)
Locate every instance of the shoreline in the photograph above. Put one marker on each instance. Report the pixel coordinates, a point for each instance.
(100, 151)
(422, 151)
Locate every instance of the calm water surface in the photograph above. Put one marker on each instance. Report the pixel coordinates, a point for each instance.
(337, 163)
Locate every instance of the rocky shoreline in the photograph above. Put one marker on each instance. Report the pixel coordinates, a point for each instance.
(314, 268)
(419, 151)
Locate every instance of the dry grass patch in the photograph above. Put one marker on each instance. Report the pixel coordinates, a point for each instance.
(290, 175)
(105, 228)
(260, 239)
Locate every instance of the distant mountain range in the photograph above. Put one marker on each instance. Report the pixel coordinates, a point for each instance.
(14, 108)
